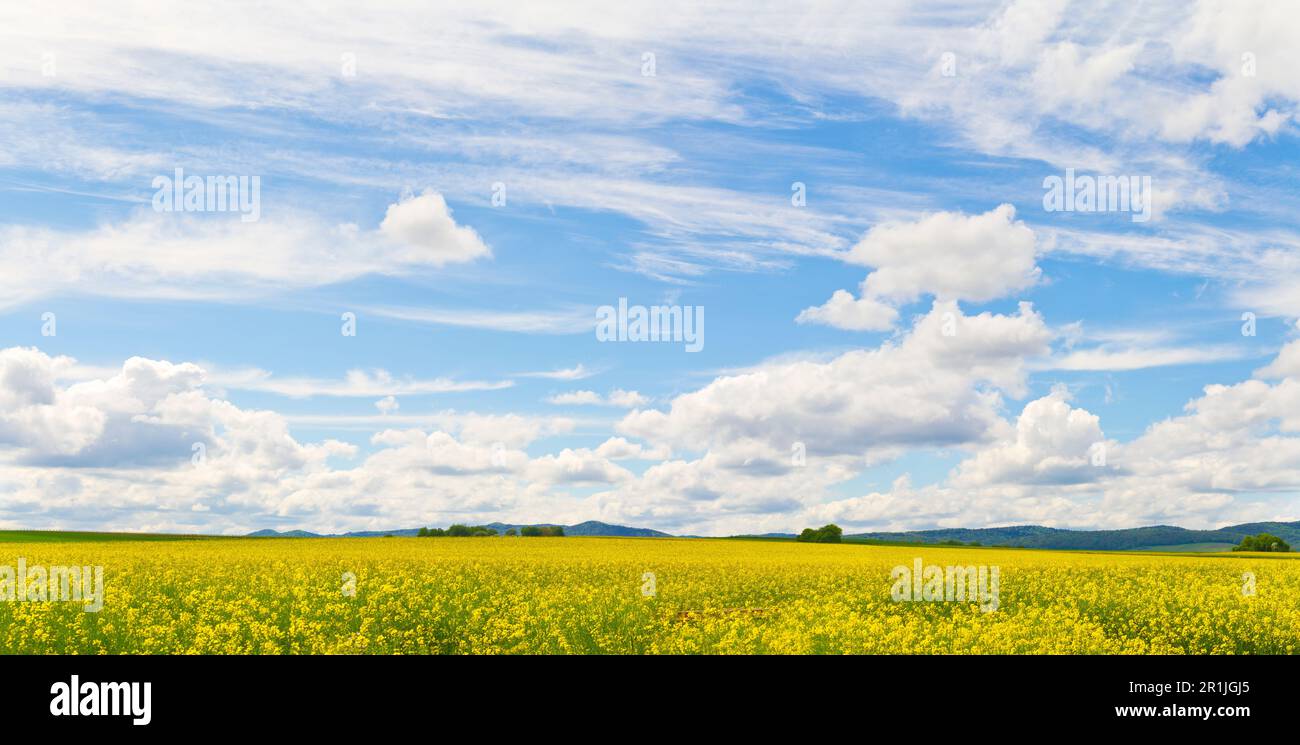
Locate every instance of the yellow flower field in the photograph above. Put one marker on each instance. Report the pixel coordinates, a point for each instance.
(588, 595)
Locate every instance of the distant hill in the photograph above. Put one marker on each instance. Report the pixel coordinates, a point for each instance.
(589, 528)
(268, 533)
(1037, 536)
(767, 535)
(401, 532)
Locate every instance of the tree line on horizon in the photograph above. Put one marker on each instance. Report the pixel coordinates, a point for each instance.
(483, 531)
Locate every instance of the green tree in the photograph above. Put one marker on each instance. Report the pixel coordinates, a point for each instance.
(511, 532)
(825, 534)
(1263, 542)
(422, 533)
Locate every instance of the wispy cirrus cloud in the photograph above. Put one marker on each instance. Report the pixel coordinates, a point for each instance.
(187, 256)
(1116, 359)
(577, 372)
(617, 397)
(356, 383)
(572, 320)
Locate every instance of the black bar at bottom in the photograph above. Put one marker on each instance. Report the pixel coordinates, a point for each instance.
(833, 696)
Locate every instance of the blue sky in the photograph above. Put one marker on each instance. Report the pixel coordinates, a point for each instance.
(197, 378)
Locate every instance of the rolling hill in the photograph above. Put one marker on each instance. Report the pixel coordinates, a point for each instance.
(1037, 536)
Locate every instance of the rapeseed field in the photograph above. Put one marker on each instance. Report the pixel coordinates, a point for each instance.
(641, 596)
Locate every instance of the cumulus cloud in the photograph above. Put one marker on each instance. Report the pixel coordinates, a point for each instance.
(150, 446)
(1135, 86)
(760, 447)
(513, 430)
(36, 417)
(938, 386)
(424, 229)
(1251, 45)
(843, 311)
(619, 448)
(149, 413)
(1285, 365)
(1220, 461)
(763, 450)
(950, 255)
(1054, 443)
(576, 467)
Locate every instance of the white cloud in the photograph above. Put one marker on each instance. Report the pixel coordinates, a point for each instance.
(617, 397)
(148, 446)
(929, 388)
(578, 372)
(575, 320)
(1234, 447)
(387, 405)
(182, 255)
(1132, 82)
(576, 467)
(1238, 107)
(1109, 358)
(1053, 443)
(1022, 28)
(148, 412)
(843, 311)
(1065, 77)
(424, 228)
(619, 448)
(949, 255)
(117, 451)
(355, 383)
(512, 430)
(414, 58)
(1285, 365)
